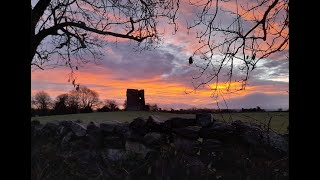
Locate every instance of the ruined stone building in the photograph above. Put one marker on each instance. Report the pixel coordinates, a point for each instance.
(135, 100)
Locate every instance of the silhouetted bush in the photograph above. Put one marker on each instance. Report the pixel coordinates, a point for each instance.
(147, 107)
(86, 110)
(104, 109)
(151, 107)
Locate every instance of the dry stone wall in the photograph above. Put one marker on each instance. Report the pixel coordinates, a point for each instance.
(177, 148)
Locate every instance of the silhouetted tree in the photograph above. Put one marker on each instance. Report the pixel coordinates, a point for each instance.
(75, 28)
(153, 107)
(109, 105)
(86, 97)
(259, 109)
(104, 109)
(43, 102)
(73, 102)
(112, 105)
(147, 107)
(60, 106)
(234, 45)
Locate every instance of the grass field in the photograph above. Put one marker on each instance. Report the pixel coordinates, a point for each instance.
(279, 121)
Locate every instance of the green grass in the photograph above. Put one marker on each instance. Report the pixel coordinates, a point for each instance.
(279, 122)
(119, 116)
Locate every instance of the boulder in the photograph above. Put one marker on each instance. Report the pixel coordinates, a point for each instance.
(181, 122)
(186, 145)
(64, 127)
(137, 148)
(205, 119)
(92, 127)
(35, 127)
(139, 126)
(107, 128)
(250, 134)
(276, 141)
(50, 129)
(191, 132)
(94, 135)
(121, 128)
(218, 130)
(63, 130)
(66, 139)
(153, 138)
(65, 123)
(78, 121)
(78, 129)
(154, 124)
(114, 154)
(254, 135)
(113, 142)
(166, 126)
(94, 130)
(240, 127)
(133, 136)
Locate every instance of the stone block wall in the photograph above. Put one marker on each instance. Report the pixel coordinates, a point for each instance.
(177, 148)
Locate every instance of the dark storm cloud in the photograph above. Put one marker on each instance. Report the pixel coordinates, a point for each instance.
(124, 62)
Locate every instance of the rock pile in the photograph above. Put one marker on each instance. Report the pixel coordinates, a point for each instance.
(177, 148)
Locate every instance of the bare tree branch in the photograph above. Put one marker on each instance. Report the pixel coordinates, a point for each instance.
(256, 30)
(76, 27)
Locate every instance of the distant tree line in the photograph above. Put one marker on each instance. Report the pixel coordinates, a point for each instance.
(200, 110)
(80, 100)
(109, 105)
(85, 100)
(257, 109)
(152, 107)
(206, 110)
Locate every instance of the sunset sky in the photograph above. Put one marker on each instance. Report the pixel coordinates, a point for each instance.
(165, 74)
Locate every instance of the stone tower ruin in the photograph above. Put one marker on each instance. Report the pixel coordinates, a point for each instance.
(135, 100)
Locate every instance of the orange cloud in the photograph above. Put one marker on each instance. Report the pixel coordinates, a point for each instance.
(157, 90)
